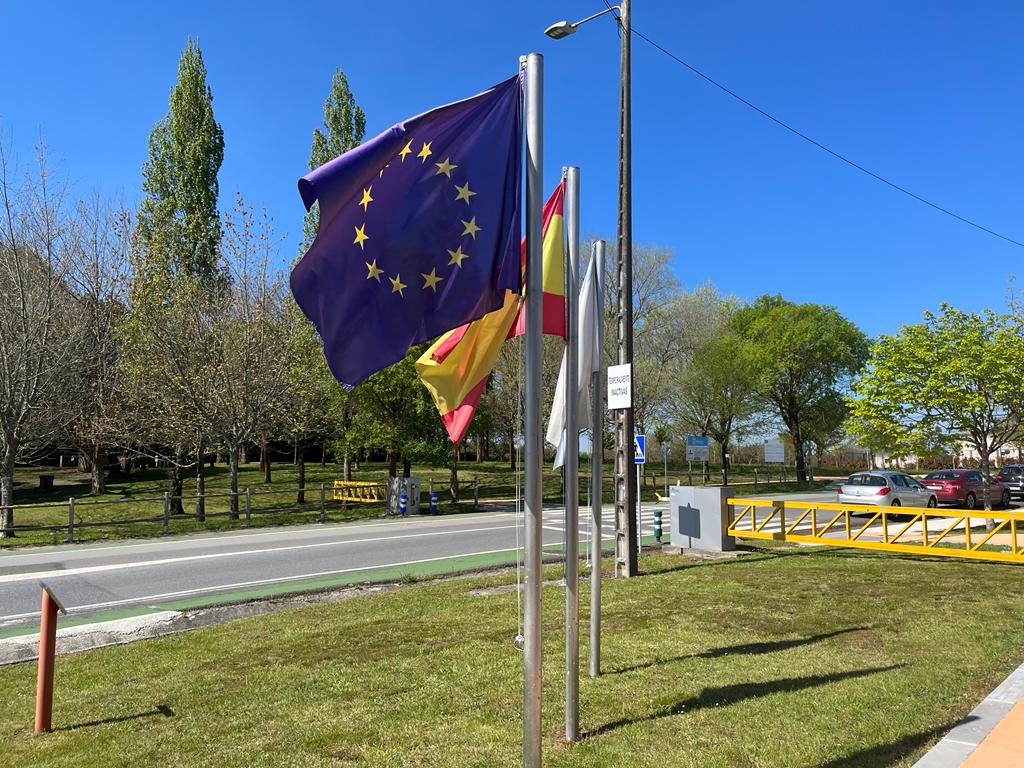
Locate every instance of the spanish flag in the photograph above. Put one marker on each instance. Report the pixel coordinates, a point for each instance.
(456, 367)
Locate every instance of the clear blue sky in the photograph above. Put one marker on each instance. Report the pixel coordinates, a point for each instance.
(926, 93)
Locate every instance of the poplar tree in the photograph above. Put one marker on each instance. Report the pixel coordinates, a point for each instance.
(178, 234)
(318, 399)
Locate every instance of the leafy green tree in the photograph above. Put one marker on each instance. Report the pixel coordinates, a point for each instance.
(343, 129)
(800, 355)
(178, 235)
(955, 377)
(179, 225)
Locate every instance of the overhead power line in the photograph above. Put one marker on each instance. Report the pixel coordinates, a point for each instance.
(819, 145)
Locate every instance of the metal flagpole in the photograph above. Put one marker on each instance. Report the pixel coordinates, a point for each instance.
(596, 472)
(534, 119)
(572, 459)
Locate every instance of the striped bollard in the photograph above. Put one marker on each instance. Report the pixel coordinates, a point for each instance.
(657, 525)
(403, 503)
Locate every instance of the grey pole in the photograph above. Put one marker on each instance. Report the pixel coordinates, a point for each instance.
(596, 472)
(533, 498)
(572, 459)
(626, 539)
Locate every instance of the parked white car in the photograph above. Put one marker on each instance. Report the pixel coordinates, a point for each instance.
(885, 489)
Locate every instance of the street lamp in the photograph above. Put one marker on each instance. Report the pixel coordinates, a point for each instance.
(625, 492)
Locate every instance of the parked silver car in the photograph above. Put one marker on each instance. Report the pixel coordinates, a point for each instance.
(885, 489)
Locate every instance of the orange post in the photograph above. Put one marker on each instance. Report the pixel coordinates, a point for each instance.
(47, 650)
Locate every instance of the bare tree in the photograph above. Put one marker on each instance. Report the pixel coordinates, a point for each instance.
(37, 348)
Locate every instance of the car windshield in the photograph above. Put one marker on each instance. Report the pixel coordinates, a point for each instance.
(874, 480)
(942, 476)
(1008, 471)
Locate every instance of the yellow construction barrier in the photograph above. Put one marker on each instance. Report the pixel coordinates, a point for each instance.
(359, 490)
(913, 530)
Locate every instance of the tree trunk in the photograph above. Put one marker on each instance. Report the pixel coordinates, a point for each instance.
(300, 463)
(798, 452)
(233, 451)
(347, 467)
(265, 461)
(479, 449)
(7, 492)
(725, 462)
(295, 455)
(985, 464)
(453, 477)
(406, 467)
(99, 470)
(200, 486)
(178, 482)
(392, 463)
(511, 451)
(243, 452)
(323, 454)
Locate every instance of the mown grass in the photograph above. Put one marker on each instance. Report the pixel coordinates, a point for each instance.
(788, 658)
(138, 497)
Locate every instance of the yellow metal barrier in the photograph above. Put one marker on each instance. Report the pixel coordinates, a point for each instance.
(943, 532)
(359, 490)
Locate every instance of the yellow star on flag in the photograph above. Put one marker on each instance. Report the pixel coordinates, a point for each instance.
(360, 236)
(406, 150)
(425, 152)
(374, 272)
(464, 192)
(397, 285)
(431, 280)
(365, 202)
(445, 168)
(470, 228)
(457, 256)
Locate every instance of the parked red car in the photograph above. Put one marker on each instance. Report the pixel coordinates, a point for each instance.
(966, 487)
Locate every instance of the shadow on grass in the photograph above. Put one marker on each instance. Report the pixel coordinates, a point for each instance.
(886, 754)
(160, 709)
(770, 646)
(725, 695)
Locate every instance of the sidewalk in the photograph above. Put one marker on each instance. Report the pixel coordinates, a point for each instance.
(992, 736)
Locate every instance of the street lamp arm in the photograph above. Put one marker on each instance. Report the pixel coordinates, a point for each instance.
(561, 29)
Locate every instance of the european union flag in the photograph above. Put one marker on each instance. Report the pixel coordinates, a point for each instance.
(419, 232)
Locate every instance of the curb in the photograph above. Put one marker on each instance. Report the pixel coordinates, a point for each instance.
(957, 745)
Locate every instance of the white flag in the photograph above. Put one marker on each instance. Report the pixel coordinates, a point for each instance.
(589, 357)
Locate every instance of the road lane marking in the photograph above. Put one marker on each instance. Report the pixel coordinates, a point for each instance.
(32, 576)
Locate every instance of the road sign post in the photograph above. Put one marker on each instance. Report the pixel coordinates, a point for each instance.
(639, 457)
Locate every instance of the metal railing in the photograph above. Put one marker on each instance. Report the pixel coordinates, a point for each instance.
(910, 530)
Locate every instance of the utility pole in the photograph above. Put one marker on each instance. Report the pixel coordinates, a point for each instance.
(625, 491)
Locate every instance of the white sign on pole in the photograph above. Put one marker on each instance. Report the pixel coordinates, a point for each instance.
(620, 386)
(774, 452)
(698, 448)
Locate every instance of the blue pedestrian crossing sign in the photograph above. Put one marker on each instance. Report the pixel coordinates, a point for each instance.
(639, 449)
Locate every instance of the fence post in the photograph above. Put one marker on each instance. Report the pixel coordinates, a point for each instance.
(248, 505)
(323, 508)
(167, 513)
(71, 519)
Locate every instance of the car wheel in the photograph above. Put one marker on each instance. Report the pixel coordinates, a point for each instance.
(932, 502)
(971, 501)
(1005, 500)
(896, 503)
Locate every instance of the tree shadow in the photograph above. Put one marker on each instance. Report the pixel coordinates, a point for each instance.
(770, 646)
(723, 696)
(160, 709)
(886, 754)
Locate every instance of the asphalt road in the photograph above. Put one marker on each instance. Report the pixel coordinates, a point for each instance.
(113, 580)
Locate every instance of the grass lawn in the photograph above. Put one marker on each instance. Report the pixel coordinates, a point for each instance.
(787, 657)
(136, 504)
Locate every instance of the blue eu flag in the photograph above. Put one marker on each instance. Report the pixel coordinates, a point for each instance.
(419, 232)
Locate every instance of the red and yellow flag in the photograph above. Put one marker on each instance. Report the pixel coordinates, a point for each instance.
(456, 367)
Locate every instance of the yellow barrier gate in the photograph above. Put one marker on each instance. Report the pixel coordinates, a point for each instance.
(359, 490)
(942, 532)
